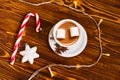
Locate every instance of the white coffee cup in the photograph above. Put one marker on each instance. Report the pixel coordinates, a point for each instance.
(57, 25)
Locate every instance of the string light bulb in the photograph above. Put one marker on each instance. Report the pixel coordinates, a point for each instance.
(40, 29)
(24, 33)
(51, 73)
(75, 3)
(106, 54)
(78, 66)
(101, 20)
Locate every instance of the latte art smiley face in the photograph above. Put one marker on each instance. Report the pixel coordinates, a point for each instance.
(67, 33)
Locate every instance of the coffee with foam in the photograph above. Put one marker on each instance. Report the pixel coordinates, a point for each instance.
(71, 34)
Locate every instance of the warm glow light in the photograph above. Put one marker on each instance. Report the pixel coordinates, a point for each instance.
(24, 33)
(106, 54)
(75, 3)
(101, 20)
(10, 33)
(78, 66)
(51, 73)
(40, 29)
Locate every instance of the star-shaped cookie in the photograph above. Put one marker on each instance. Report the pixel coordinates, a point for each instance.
(29, 54)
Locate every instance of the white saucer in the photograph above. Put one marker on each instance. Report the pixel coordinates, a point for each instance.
(68, 51)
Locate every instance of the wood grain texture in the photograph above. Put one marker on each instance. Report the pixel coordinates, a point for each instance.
(12, 13)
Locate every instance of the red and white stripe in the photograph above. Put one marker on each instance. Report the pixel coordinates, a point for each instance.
(19, 37)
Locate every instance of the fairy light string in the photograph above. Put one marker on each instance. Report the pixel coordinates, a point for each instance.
(52, 75)
(70, 66)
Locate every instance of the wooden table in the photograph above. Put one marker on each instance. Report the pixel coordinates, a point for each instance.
(12, 13)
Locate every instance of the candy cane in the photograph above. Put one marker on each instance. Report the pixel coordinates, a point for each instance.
(19, 37)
